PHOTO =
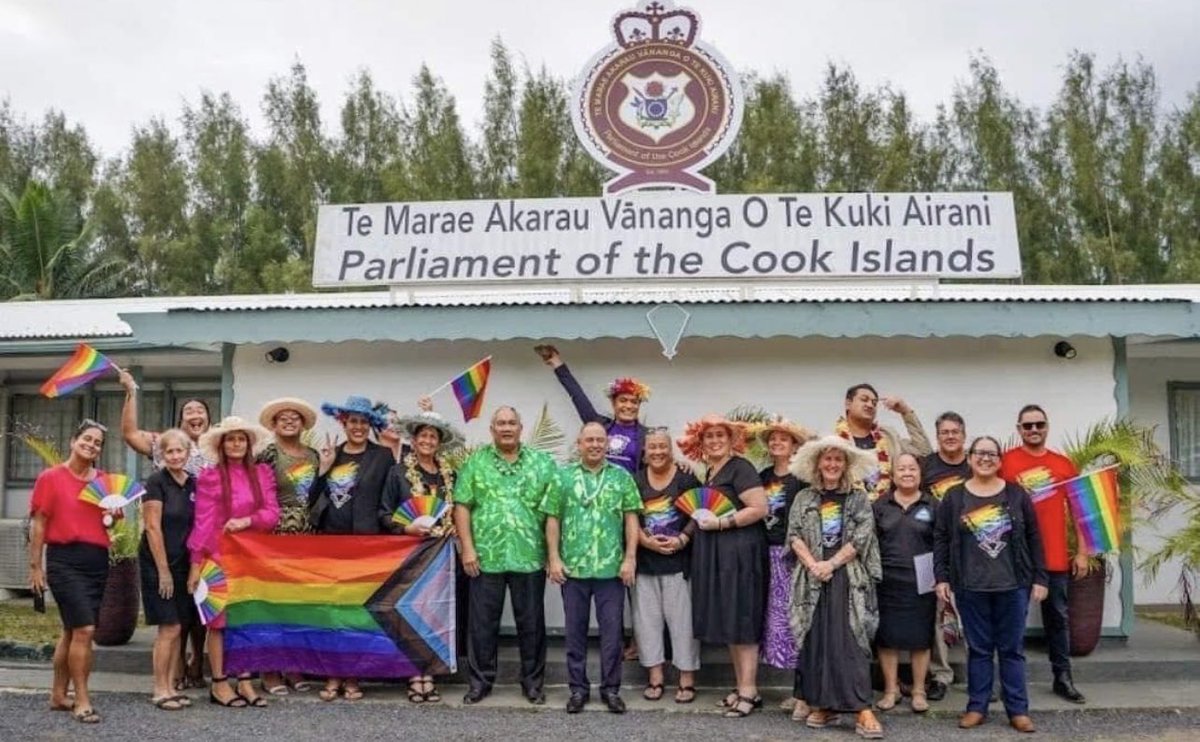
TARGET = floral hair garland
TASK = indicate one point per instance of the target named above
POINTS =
(883, 484)
(691, 445)
(627, 385)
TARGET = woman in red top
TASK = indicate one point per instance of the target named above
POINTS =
(76, 544)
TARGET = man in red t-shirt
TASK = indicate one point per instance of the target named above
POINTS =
(1034, 467)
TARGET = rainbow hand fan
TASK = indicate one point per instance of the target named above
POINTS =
(111, 492)
(420, 510)
(212, 591)
(704, 500)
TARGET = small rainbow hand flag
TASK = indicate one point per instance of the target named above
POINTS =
(212, 591)
(1093, 498)
(704, 498)
(468, 388)
(420, 509)
(85, 366)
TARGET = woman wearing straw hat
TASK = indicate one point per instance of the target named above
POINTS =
(76, 545)
(729, 556)
(233, 495)
(296, 468)
(782, 438)
(423, 471)
(834, 613)
(350, 488)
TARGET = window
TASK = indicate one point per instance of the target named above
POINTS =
(49, 420)
(1183, 400)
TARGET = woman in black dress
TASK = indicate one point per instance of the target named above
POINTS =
(834, 614)
(904, 522)
(168, 509)
(423, 470)
(76, 543)
(729, 557)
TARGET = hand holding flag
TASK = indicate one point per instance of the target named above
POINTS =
(469, 388)
(86, 365)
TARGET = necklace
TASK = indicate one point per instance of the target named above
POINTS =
(412, 472)
(591, 493)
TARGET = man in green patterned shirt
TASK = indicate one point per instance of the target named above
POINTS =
(592, 540)
(500, 526)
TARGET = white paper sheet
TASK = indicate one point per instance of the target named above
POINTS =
(923, 563)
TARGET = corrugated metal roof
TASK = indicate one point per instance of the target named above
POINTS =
(101, 318)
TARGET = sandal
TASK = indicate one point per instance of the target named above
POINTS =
(800, 711)
(653, 691)
(352, 692)
(432, 695)
(330, 691)
(236, 702)
(920, 702)
(253, 700)
(167, 703)
(183, 701)
(415, 695)
(298, 683)
(741, 708)
(685, 694)
(867, 726)
(820, 719)
(888, 700)
(86, 716)
(275, 689)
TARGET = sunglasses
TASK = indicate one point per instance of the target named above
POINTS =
(1039, 425)
(90, 423)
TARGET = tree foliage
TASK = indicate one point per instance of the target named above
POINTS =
(1106, 180)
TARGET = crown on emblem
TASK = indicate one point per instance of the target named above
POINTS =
(657, 23)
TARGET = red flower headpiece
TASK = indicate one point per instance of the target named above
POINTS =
(628, 385)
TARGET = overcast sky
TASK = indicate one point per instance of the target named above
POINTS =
(113, 64)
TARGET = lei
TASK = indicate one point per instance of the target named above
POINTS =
(884, 483)
(412, 472)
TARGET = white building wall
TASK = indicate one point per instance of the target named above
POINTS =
(1149, 374)
(985, 380)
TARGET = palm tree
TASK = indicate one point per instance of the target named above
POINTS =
(47, 253)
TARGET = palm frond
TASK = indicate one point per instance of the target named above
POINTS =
(45, 450)
(547, 435)
(753, 417)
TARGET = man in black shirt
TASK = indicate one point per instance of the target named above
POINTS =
(941, 470)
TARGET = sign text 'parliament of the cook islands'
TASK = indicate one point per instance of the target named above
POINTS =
(655, 106)
(669, 236)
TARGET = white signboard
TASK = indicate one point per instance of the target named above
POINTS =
(661, 236)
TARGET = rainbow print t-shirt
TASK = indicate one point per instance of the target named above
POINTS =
(990, 524)
(831, 523)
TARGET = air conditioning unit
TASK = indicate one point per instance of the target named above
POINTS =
(14, 554)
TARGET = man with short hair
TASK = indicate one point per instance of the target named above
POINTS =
(941, 470)
(860, 426)
(1037, 468)
(592, 539)
(502, 532)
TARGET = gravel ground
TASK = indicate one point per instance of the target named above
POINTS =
(131, 717)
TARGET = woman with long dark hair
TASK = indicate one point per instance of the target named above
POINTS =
(233, 495)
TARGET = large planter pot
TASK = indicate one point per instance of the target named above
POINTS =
(1085, 610)
(120, 604)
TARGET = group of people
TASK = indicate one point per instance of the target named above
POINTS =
(850, 545)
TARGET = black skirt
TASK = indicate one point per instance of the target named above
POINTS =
(905, 618)
(834, 671)
(76, 573)
(179, 608)
(729, 585)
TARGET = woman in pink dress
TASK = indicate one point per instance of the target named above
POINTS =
(233, 495)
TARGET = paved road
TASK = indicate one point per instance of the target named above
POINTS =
(131, 717)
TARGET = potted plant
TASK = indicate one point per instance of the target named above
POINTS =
(1145, 477)
(120, 604)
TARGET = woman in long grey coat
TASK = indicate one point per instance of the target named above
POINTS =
(834, 614)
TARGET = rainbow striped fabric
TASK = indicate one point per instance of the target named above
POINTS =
(469, 388)
(339, 606)
(1094, 499)
(86, 365)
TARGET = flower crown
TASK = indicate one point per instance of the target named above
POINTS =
(627, 385)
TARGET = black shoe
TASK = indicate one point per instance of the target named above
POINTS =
(935, 691)
(576, 703)
(537, 697)
(1065, 688)
(474, 696)
(613, 702)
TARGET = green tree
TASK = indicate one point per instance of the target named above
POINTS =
(18, 148)
(369, 147)
(776, 150)
(501, 139)
(46, 253)
(436, 149)
(1177, 158)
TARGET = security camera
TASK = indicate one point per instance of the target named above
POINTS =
(278, 355)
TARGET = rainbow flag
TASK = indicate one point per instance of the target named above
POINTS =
(84, 367)
(339, 606)
(1093, 499)
(468, 388)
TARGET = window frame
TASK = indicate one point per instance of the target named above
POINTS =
(1172, 419)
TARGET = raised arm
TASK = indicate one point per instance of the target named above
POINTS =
(583, 405)
(139, 440)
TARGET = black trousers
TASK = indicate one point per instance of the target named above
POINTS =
(487, 605)
(1054, 621)
(609, 597)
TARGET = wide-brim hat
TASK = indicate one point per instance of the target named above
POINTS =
(691, 445)
(271, 409)
(210, 442)
(449, 436)
(798, 432)
(859, 461)
(376, 414)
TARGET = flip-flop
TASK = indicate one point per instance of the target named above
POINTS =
(277, 690)
(352, 694)
(167, 703)
(183, 701)
(86, 716)
(653, 691)
(685, 689)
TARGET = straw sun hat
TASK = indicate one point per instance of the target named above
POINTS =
(266, 418)
(804, 463)
(210, 442)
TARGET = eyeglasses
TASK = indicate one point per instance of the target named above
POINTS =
(985, 455)
(90, 423)
(1038, 425)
